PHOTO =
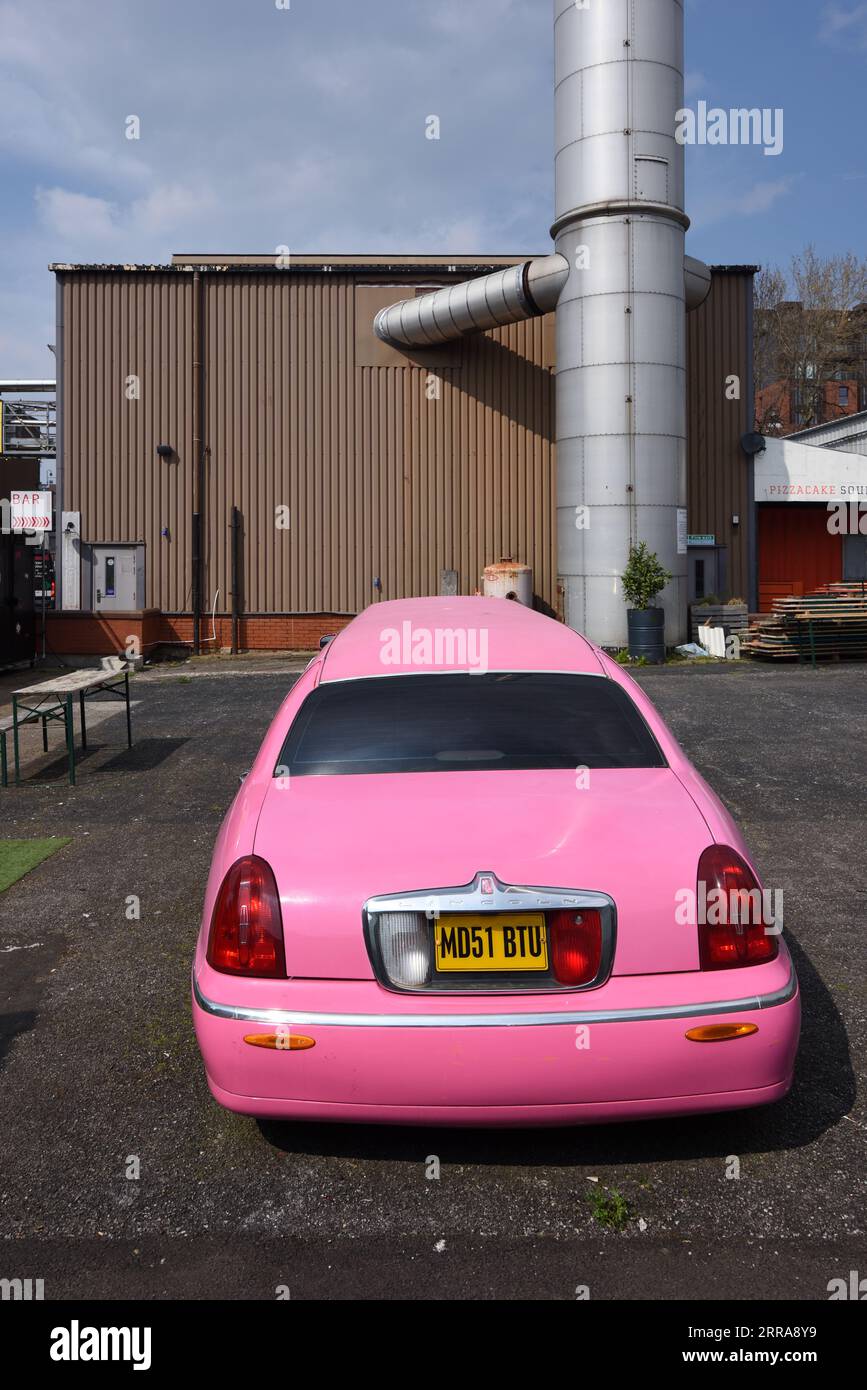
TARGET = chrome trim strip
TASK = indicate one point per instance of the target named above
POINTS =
(484, 894)
(492, 896)
(243, 1014)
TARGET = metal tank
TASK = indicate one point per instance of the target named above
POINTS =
(621, 326)
(511, 580)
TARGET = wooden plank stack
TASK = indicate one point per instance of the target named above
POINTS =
(732, 618)
(829, 625)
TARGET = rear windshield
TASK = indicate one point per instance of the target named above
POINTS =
(466, 722)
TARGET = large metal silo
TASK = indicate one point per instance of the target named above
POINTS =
(620, 224)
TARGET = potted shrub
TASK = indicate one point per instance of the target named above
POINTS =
(644, 578)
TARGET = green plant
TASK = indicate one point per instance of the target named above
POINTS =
(644, 576)
(624, 659)
(610, 1209)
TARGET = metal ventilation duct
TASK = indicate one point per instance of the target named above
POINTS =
(507, 296)
(697, 279)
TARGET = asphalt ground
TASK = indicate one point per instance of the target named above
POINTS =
(98, 1062)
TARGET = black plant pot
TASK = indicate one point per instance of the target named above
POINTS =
(647, 634)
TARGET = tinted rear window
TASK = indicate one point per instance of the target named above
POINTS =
(460, 722)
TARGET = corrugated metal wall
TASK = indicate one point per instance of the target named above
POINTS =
(385, 473)
(117, 328)
(718, 348)
(380, 480)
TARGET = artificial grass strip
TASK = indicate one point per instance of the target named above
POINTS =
(18, 857)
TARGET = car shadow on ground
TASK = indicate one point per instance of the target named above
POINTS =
(823, 1092)
(11, 1025)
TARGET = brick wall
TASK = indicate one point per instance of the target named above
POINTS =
(104, 634)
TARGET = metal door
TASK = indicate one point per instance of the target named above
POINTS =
(114, 578)
(17, 618)
(854, 558)
(703, 572)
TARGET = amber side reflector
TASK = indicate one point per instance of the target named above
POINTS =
(281, 1042)
(722, 1032)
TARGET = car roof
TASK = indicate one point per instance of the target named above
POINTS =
(510, 637)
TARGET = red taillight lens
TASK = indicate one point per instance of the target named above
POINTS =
(576, 945)
(732, 923)
(247, 926)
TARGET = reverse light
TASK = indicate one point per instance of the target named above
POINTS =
(246, 935)
(405, 944)
(732, 930)
(576, 945)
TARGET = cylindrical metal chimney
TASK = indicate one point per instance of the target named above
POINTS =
(621, 389)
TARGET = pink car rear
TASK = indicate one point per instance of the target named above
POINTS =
(467, 881)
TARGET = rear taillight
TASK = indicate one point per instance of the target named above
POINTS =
(733, 926)
(247, 927)
(576, 945)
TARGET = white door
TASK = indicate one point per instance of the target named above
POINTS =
(114, 586)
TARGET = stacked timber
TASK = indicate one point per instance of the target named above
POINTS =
(731, 617)
(828, 625)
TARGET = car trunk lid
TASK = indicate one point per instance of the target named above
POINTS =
(334, 842)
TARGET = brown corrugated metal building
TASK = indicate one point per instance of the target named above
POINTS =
(357, 471)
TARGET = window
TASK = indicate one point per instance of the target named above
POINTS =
(461, 722)
(699, 578)
(843, 397)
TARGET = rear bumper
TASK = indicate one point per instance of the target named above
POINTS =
(492, 1061)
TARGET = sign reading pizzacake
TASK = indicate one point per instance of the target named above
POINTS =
(31, 511)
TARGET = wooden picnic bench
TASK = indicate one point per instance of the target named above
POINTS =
(52, 700)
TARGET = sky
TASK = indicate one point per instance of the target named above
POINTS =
(302, 123)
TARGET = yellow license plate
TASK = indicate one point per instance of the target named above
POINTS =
(510, 941)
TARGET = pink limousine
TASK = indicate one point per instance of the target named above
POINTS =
(471, 879)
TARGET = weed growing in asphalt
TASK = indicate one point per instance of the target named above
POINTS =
(610, 1209)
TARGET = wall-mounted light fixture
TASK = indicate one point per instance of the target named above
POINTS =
(753, 444)
(165, 451)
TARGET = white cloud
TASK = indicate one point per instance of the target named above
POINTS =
(847, 25)
(76, 217)
(169, 207)
(762, 196)
(726, 199)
